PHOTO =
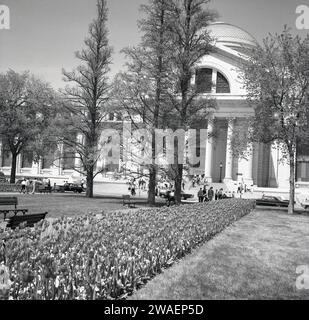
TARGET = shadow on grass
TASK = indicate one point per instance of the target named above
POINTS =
(284, 210)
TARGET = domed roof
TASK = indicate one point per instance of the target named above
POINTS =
(230, 34)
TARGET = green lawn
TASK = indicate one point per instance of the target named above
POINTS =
(255, 258)
(58, 204)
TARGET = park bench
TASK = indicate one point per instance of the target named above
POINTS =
(126, 200)
(10, 201)
(15, 220)
(30, 219)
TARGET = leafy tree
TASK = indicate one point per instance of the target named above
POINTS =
(28, 106)
(87, 97)
(276, 77)
(157, 85)
(189, 42)
(142, 89)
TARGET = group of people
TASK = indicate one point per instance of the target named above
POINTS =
(133, 185)
(205, 195)
(198, 180)
(29, 186)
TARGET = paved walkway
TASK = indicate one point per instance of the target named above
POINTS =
(256, 258)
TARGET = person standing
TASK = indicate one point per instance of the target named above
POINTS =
(27, 185)
(210, 193)
(34, 182)
(200, 195)
(216, 195)
(205, 194)
(133, 193)
(23, 186)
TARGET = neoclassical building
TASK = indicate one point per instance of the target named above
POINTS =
(216, 76)
(263, 167)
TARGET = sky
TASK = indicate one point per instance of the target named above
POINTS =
(45, 34)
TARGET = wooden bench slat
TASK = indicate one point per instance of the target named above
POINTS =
(8, 201)
(127, 200)
(31, 219)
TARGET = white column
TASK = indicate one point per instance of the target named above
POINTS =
(229, 154)
(214, 81)
(303, 171)
(0, 153)
(19, 164)
(245, 166)
(248, 169)
(209, 147)
(37, 166)
(77, 160)
(279, 171)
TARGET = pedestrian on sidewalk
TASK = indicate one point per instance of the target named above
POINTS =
(210, 193)
(27, 185)
(200, 195)
(23, 186)
(204, 194)
(220, 194)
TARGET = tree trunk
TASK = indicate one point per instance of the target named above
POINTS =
(292, 183)
(152, 185)
(13, 168)
(89, 190)
(178, 180)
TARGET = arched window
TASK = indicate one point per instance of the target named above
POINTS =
(204, 84)
(223, 85)
(203, 80)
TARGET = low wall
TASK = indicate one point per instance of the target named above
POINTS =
(9, 187)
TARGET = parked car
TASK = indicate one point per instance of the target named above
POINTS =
(163, 193)
(69, 187)
(274, 201)
(184, 195)
(305, 203)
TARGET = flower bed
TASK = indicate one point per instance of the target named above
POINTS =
(109, 256)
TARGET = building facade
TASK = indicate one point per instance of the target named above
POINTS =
(216, 76)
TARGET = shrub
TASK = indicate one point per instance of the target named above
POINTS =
(110, 255)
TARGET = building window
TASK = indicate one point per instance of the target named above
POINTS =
(68, 161)
(203, 80)
(27, 159)
(6, 156)
(204, 84)
(222, 84)
(111, 116)
(48, 160)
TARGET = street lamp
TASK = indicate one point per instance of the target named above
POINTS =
(221, 165)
